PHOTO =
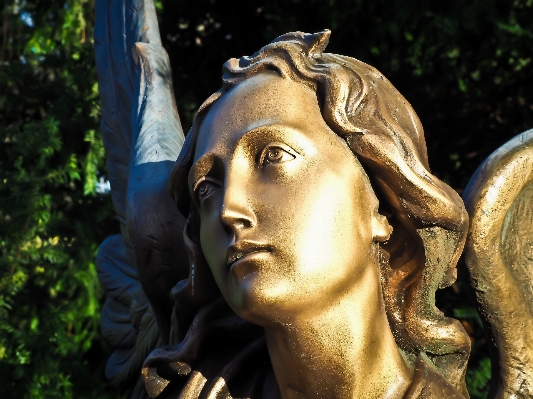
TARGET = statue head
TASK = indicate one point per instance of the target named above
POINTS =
(325, 162)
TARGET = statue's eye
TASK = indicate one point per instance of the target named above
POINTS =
(204, 187)
(275, 153)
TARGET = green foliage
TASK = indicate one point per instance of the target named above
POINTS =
(51, 218)
(478, 379)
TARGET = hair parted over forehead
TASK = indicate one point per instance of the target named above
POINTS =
(381, 128)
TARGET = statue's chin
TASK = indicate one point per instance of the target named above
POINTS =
(258, 301)
(267, 299)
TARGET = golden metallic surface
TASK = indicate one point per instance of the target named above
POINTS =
(153, 382)
(499, 254)
(312, 214)
(289, 227)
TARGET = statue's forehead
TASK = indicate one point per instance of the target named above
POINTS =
(262, 100)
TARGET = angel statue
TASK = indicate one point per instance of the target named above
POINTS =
(294, 248)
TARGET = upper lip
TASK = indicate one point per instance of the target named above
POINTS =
(243, 248)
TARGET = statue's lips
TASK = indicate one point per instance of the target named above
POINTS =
(243, 249)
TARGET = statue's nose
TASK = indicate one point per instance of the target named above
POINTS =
(236, 219)
(236, 213)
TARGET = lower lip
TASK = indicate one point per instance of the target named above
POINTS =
(248, 257)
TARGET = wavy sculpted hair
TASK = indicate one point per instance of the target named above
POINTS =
(429, 219)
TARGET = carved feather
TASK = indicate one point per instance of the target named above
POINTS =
(499, 254)
(142, 136)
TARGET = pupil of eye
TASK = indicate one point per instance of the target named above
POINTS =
(274, 153)
(203, 188)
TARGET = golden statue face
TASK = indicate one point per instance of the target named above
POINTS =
(288, 218)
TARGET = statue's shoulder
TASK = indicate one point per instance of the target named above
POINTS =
(429, 383)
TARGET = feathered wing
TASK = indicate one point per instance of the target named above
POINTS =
(142, 137)
(499, 254)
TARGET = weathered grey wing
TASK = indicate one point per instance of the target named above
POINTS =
(499, 255)
(142, 137)
(127, 319)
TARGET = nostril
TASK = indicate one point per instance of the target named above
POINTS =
(236, 223)
(235, 220)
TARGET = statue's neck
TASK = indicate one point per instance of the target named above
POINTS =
(344, 351)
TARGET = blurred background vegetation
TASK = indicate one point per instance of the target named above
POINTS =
(465, 65)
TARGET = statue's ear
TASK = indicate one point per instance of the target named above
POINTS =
(381, 228)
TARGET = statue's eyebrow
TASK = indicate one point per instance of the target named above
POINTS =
(201, 167)
(205, 164)
(271, 129)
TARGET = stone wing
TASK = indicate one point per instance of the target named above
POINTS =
(499, 255)
(142, 137)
